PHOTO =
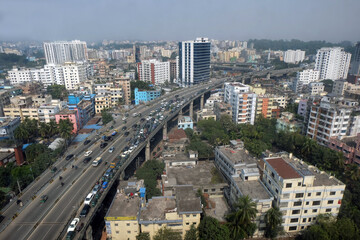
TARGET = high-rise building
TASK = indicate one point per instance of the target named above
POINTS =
(194, 62)
(154, 72)
(65, 51)
(304, 78)
(74, 74)
(294, 56)
(355, 64)
(242, 101)
(332, 63)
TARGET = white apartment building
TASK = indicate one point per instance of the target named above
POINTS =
(74, 74)
(154, 71)
(329, 118)
(301, 191)
(242, 101)
(294, 56)
(304, 78)
(333, 63)
(65, 51)
(241, 172)
(315, 88)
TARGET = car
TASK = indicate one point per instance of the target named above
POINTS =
(96, 189)
(123, 128)
(88, 198)
(111, 149)
(126, 134)
(70, 235)
(85, 211)
(70, 156)
(86, 142)
(44, 198)
(103, 144)
(73, 224)
(87, 159)
(79, 227)
(88, 153)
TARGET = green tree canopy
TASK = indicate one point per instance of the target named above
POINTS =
(210, 228)
(191, 234)
(273, 220)
(57, 91)
(165, 233)
(143, 236)
(106, 116)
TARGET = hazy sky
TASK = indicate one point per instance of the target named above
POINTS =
(330, 20)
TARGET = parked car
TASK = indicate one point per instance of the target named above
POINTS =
(68, 157)
(88, 153)
(87, 159)
(44, 198)
(86, 142)
(96, 189)
(85, 211)
(73, 224)
(70, 235)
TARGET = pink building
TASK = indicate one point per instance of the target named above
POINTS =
(72, 115)
(349, 146)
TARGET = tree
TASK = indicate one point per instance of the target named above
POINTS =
(191, 234)
(165, 233)
(65, 128)
(53, 128)
(273, 220)
(210, 228)
(353, 172)
(241, 220)
(106, 116)
(22, 134)
(143, 236)
(44, 130)
(150, 172)
(34, 150)
(57, 91)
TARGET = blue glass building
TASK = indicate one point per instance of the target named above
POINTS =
(145, 96)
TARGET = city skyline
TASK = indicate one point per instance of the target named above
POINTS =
(183, 20)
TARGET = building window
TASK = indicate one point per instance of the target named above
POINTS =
(116, 224)
(299, 195)
(295, 212)
(315, 203)
(187, 223)
(299, 183)
(288, 185)
(314, 210)
(307, 203)
(332, 193)
(293, 228)
(318, 193)
(309, 194)
(328, 210)
(194, 223)
(117, 232)
(128, 232)
(188, 215)
(330, 201)
(194, 215)
(128, 224)
(294, 220)
(305, 211)
(269, 182)
(299, 203)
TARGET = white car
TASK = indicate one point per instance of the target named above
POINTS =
(88, 153)
(88, 198)
(111, 149)
(73, 224)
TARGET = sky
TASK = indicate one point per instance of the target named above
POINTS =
(153, 20)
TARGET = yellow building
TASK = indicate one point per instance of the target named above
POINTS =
(30, 112)
(177, 212)
(108, 95)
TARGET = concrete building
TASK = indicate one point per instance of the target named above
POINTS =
(315, 88)
(342, 88)
(145, 96)
(125, 85)
(108, 95)
(294, 56)
(8, 126)
(305, 77)
(329, 118)
(348, 146)
(65, 51)
(154, 71)
(287, 122)
(4, 100)
(332, 63)
(73, 117)
(22, 113)
(221, 108)
(205, 114)
(194, 62)
(241, 172)
(301, 191)
(242, 101)
(355, 63)
(266, 106)
(177, 212)
(74, 74)
(185, 122)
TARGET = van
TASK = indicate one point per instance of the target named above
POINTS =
(97, 161)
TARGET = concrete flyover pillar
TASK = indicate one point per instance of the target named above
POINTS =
(147, 151)
(122, 175)
(180, 113)
(202, 102)
(165, 131)
(191, 109)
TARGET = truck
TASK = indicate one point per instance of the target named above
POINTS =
(97, 161)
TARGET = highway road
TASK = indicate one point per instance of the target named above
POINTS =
(47, 220)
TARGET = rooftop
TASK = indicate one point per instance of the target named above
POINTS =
(204, 173)
(66, 111)
(187, 201)
(157, 207)
(177, 134)
(6, 120)
(185, 119)
(237, 154)
(283, 168)
(124, 206)
(254, 189)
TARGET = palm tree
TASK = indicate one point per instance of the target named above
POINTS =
(273, 220)
(65, 129)
(44, 130)
(240, 221)
(21, 134)
(307, 146)
(53, 128)
(353, 172)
